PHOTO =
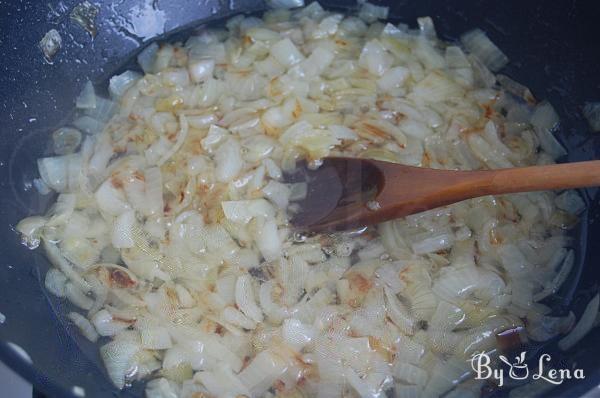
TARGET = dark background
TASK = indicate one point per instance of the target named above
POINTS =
(554, 47)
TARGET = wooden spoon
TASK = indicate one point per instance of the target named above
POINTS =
(346, 193)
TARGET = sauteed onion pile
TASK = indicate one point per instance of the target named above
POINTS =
(170, 233)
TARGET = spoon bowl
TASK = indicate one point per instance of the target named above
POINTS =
(346, 193)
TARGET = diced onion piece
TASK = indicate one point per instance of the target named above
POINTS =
(201, 70)
(478, 43)
(585, 324)
(398, 313)
(545, 120)
(370, 12)
(285, 3)
(244, 210)
(591, 111)
(222, 382)
(77, 297)
(118, 358)
(154, 191)
(296, 334)
(86, 328)
(245, 298)
(111, 200)
(106, 325)
(87, 97)
(30, 230)
(277, 193)
(410, 374)
(342, 132)
(570, 201)
(56, 282)
(147, 57)
(66, 140)
(260, 374)
(375, 58)
(237, 318)
(433, 244)
(122, 236)
(393, 78)
(183, 132)
(61, 173)
(153, 336)
(286, 53)
(228, 159)
(118, 84)
(267, 240)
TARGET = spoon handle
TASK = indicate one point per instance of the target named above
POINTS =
(541, 178)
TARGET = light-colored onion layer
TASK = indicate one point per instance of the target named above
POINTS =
(171, 233)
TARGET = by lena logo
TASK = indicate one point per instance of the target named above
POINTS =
(519, 370)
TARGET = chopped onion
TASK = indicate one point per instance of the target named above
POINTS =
(264, 369)
(118, 84)
(296, 334)
(277, 193)
(86, 328)
(77, 297)
(106, 325)
(237, 318)
(118, 358)
(66, 140)
(478, 43)
(87, 97)
(171, 226)
(183, 132)
(545, 120)
(222, 382)
(285, 3)
(375, 58)
(245, 299)
(398, 313)
(286, 53)
(147, 57)
(433, 244)
(228, 160)
(154, 191)
(591, 111)
(583, 326)
(393, 78)
(410, 374)
(111, 200)
(571, 202)
(201, 70)
(244, 210)
(370, 12)
(60, 173)
(56, 282)
(153, 336)
(122, 236)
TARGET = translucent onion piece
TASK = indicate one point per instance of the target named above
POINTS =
(591, 111)
(87, 97)
(264, 369)
(244, 210)
(245, 298)
(583, 326)
(118, 358)
(66, 140)
(545, 119)
(120, 83)
(86, 328)
(477, 42)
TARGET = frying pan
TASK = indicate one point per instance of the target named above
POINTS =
(553, 47)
